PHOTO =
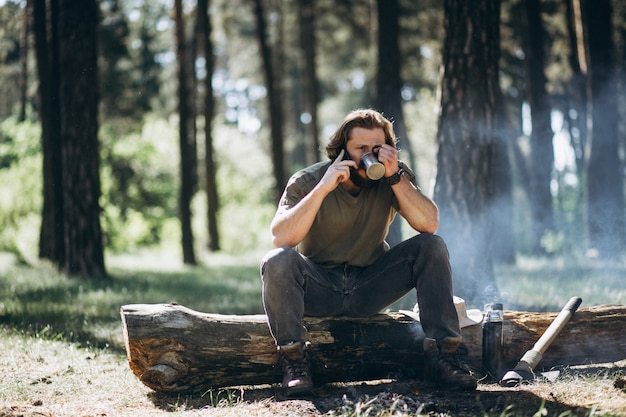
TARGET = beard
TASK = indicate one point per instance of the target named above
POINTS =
(361, 181)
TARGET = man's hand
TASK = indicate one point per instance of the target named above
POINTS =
(291, 225)
(388, 156)
(338, 172)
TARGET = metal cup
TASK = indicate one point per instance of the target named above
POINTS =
(374, 169)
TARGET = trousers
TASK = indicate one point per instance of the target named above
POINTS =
(294, 287)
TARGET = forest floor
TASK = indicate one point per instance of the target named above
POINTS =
(42, 377)
(62, 351)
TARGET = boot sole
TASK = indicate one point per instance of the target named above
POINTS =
(298, 392)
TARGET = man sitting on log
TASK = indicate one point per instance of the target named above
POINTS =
(331, 257)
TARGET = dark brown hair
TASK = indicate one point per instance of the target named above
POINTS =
(365, 118)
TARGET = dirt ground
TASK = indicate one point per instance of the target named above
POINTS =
(379, 398)
(53, 379)
(578, 391)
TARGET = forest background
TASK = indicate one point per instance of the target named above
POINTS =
(174, 125)
(143, 145)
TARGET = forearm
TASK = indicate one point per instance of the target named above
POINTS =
(419, 211)
(290, 226)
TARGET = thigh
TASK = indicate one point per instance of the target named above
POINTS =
(416, 263)
(294, 284)
(381, 284)
(323, 293)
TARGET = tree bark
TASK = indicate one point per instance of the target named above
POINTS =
(173, 348)
(51, 243)
(541, 152)
(576, 93)
(23, 82)
(309, 80)
(206, 46)
(577, 89)
(84, 252)
(605, 179)
(187, 155)
(468, 137)
(387, 98)
(274, 92)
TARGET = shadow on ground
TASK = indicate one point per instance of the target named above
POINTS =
(372, 398)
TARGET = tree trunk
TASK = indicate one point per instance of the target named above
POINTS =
(187, 155)
(173, 348)
(275, 112)
(577, 91)
(605, 178)
(209, 106)
(468, 137)
(78, 23)
(541, 152)
(24, 29)
(503, 237)
(388, 99)
(51, 243)
(309, 80)
(576, 100)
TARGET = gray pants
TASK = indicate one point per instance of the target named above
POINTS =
(294, 286)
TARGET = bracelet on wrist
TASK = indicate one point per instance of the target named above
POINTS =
(395, 178)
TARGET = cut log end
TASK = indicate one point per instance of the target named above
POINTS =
(160, 376)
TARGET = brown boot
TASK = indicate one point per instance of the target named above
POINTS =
(443, 367)
(296, 374)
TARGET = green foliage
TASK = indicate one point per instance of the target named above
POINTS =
(140, 189)
(137, 65)
(139, 179)
(20, 187)
(131, 37)
(245, 181)
(17, 141)
(9, 31)
(139, 185)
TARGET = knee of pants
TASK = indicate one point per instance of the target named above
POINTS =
(279, 264)
(432, 245)
(437, 246)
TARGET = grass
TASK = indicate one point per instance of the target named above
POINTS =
(41, 302)
(60, 378)
(547, 284)
(61, 346)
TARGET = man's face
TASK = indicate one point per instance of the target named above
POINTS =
(361, 141)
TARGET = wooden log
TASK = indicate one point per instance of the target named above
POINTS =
(172, 348)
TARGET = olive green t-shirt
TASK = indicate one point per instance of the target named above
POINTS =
(347, 229)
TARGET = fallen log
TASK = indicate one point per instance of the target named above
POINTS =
(172, 348)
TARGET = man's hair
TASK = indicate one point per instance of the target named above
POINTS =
(365, 118)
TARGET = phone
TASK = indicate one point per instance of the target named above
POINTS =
(346, 155)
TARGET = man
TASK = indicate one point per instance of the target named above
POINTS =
(331, 257)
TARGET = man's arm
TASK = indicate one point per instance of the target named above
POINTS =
(419, 211)
(291, 224)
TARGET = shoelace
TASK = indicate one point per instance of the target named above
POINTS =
(452, 362)
(298, 367)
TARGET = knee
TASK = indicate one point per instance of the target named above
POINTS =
(432, 246)
(277, 263)
(436, 243)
